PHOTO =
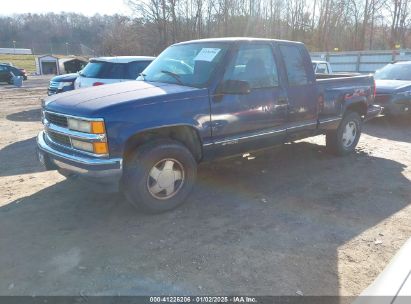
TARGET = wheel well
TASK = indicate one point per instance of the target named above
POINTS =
(359, 107)
(186, 135)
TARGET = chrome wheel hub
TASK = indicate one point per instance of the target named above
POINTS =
(349, 134)
(165, 178)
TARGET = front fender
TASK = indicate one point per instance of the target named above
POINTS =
(122, 125)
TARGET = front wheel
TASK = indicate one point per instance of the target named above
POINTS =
(344, 140)
(159, 176)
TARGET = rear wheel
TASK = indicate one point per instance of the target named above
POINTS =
(344, 140)
(159, 176)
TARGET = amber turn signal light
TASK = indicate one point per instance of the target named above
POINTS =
(97, 127)
(100, 147)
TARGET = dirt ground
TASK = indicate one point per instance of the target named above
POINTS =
(286, 220)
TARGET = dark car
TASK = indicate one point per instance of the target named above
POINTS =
(393, 88)
(62, 83)
(199, 100)
(6, 73)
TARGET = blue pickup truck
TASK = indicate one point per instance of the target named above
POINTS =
(199, 100)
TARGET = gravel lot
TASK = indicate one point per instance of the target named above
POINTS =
(284, 220)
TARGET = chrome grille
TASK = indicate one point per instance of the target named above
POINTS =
(59, 138)
(57, 132)
(56, 119)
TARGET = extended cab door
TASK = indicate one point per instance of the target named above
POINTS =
(301, 88)
(242, 122)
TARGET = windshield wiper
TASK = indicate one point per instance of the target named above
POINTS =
(174, 75)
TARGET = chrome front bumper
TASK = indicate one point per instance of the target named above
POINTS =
(100, 169)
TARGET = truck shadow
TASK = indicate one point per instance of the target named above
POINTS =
(271, 225)
(392, 128)
(26, 116)
(20, 158)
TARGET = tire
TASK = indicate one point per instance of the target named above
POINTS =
(343, 140)
(159, 176)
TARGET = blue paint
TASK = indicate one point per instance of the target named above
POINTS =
(225, 123)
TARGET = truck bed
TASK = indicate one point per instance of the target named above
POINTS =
(341, 90)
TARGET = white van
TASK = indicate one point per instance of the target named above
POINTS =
(322, 67)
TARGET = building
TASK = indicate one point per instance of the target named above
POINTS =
(72, 64)
(47, 64)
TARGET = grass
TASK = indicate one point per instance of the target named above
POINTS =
(27, 62)
(20, 61)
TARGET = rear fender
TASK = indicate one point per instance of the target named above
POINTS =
(359, 106)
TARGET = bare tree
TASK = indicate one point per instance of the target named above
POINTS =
(321, 24)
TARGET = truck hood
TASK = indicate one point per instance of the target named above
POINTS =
(391, 86)
(90, 101)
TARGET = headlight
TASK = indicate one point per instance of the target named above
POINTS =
(82, 145)
(94, 127)
(64, 84)
(79, 125)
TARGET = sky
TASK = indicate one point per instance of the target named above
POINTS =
(86, 7)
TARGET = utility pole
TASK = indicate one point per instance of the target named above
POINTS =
(14, 46)
(67, 48)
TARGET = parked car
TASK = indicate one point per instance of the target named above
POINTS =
(62, 83)
(393, 85)
(104, 70)
(322, 67)
(199, 100)
(6, 70)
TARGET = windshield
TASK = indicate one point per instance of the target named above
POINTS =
(394, 72)
(186, 64)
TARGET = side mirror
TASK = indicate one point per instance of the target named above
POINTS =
(234, 87)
